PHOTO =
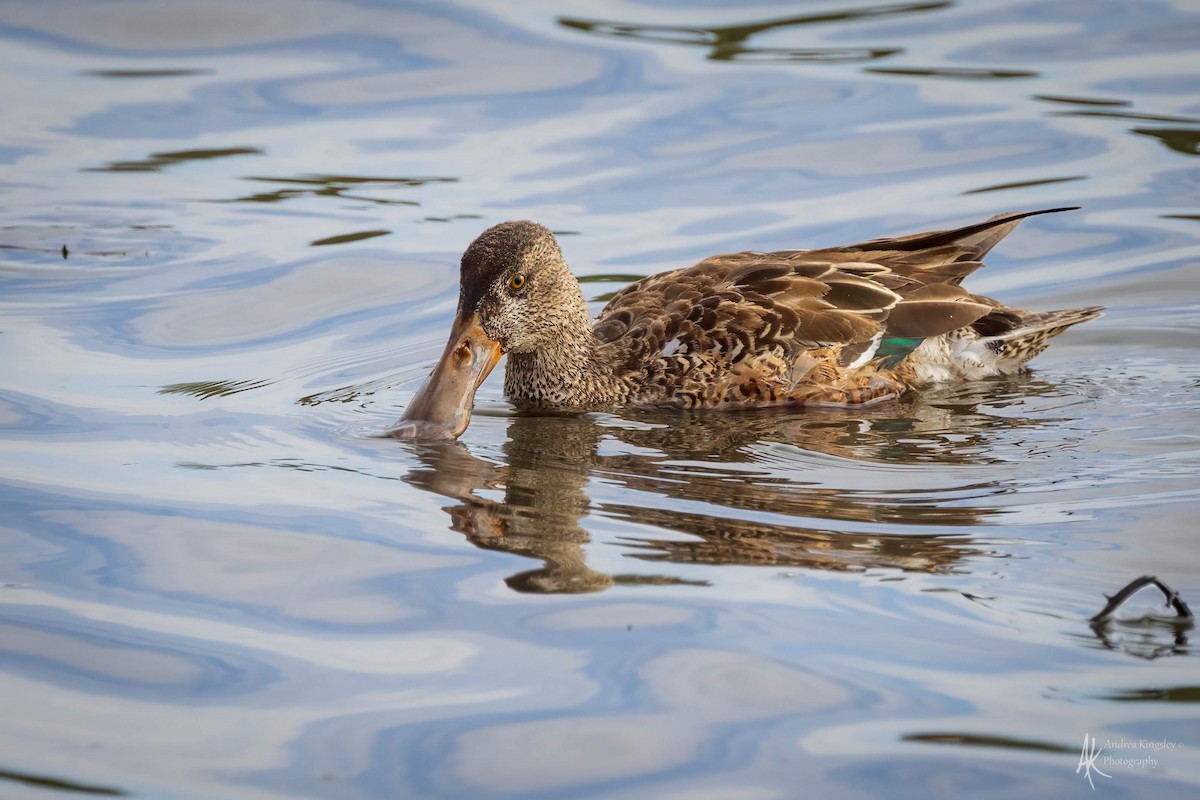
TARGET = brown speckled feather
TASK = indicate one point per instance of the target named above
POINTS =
(782, 327)
(733, 328)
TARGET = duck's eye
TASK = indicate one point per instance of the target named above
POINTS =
(517, 281)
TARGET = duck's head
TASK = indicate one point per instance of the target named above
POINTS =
(514, 294)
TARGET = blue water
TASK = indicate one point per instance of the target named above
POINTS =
(229, 236)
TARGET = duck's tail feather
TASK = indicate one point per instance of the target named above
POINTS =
(987, 234)
(1017, 336)
(999, 342)
(972, 241)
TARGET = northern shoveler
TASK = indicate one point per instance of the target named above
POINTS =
(841, 326)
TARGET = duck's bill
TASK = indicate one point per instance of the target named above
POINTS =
(442, 407)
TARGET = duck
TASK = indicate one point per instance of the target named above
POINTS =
(845, 326)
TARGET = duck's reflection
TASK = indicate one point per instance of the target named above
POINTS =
(551, 459)
(544, 500)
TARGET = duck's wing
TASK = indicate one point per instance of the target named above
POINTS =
(945, 256)
(928, 266)
(736, 306)
(757, 324)
(876, 298)
(979, 237)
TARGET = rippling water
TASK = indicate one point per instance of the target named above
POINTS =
(228, 250)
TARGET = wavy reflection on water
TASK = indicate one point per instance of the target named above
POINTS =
(1181, 140)
(339, 186)
(744, 513)
(959, 73)
(156, 162)
(730, 42)
(60, 784)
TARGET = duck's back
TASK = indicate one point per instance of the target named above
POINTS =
(832, 325)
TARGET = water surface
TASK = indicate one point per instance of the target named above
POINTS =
(228, 250)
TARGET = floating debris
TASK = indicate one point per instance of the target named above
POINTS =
(1149, 636)
(1116, 600)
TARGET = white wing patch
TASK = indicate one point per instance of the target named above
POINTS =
(867, 354)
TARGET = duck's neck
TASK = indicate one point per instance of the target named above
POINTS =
(565, 373)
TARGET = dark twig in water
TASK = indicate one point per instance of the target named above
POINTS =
(1114, 602)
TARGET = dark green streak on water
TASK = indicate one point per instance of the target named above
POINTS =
(1080, 101)
(44, 782)
(1125, 115)
(610, 277)
(1181, 140)
(729, 42)
(335, 186)
(157, 161)
(146, 73)
(331, 180)
(1024, 184)
(961, 73)
(1172, 694)
(974, 740)
(357, 236)
(604, 297)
